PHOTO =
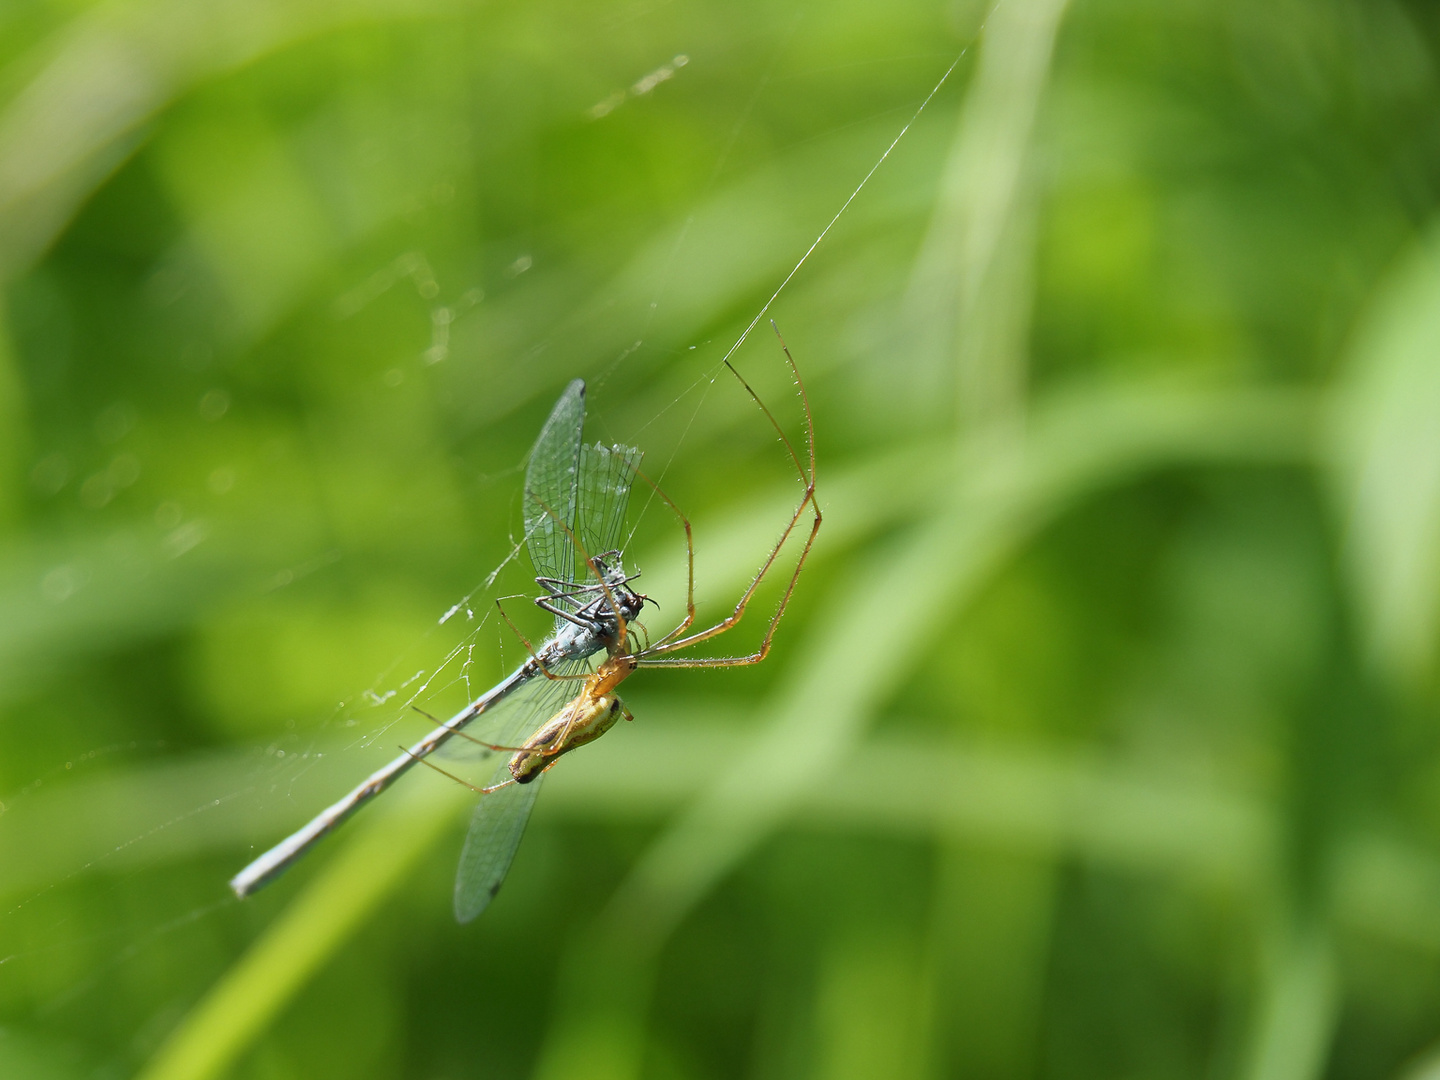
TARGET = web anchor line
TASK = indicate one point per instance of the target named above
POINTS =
(846, 205)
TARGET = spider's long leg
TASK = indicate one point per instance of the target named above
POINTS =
(668, 644)
(463, 783)
(544, 670)
(471, 738)
(689, 619)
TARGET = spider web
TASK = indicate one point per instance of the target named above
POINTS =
(468, 646)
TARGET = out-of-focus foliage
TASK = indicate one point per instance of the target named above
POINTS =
(1103, 735)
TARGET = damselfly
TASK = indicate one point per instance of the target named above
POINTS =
(575, 501)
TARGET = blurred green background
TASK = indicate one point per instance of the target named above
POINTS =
(1101, 738)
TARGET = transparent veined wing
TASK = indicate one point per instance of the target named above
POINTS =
(606, 475)
(575, 494)
(552, 481)
(499, 820)
(495, 832)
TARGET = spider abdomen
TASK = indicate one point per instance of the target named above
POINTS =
(584, 720)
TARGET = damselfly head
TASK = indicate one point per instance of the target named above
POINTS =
(629, 603)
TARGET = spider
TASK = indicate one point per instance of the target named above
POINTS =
(596, 708)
